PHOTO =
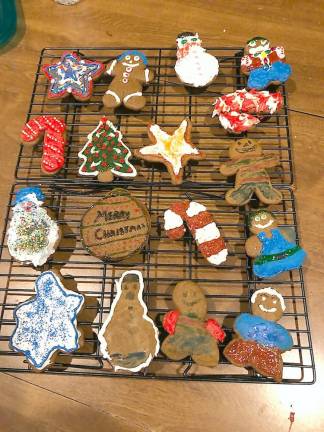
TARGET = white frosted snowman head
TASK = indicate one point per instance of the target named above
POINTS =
(188, 38)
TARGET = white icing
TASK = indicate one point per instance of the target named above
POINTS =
(207, 233)
(270, 291)
(260, 226)
(110, 92)
(197, 68)
(218, 258)
(264, 309)
(104, 348)
(130, 65)
(172, 220)
(195, 208)
(272, 104)
(147, 75)
(126, 98)
(111, 67)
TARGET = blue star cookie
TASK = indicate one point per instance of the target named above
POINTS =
(47, 323)
(72, 75)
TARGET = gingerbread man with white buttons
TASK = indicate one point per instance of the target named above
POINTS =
(130, 74)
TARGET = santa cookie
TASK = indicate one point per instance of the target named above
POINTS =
(128, 338)
(260, 340)
(105, 155)
(272, 250)
(47, 323)
(72, 76)
(249, 164)
(263, 64)
(190, 333)
(240, 111)
(174, 151)
(51, 130)
(194, 66)
(130, 73)
(201, 225)
(33, 235)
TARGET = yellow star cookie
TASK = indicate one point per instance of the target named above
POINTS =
(174, 151)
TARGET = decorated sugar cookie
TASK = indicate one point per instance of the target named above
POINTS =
(272, 250)
(105, 155)
(115, 227)
(190, 333)
(194, 66)
(201, 225)
(174, 151)
(32, 235)
(72, 75)
(249, 164)
(265, 65)
(128, 338)
(130, 73)
(240, 111)
(52, 131)
(260, 340)
(47, 323)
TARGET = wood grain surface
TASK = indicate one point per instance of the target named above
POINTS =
(38, 402)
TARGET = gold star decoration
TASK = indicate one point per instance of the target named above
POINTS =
(174, 151)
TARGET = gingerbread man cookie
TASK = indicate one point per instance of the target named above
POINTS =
(130, 73)
(249, 164)
(260, 340)
(190, 334)
(265, 65)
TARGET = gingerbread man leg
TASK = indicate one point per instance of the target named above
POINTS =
(111, 99)
(175, 347)
(207, 353)
(134, 101)
(268, 194)
(240, 195)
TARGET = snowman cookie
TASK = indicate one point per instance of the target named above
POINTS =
(129, 340)
(130, 73)
(194, 66)
(190, 333)
(47, 323)
(272, 250)
(32, 235)
(260, 340)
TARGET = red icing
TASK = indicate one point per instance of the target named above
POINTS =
(180, 208)
(170, 320)
(249, 62)
(176, 233)
(199, 221)
(215, 330)
(212, 247)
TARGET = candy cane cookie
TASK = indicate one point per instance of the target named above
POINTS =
(201, 225)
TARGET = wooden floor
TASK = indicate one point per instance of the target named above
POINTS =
(37, 402)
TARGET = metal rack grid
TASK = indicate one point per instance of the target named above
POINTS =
(228, 287)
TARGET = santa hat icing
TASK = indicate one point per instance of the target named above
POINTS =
(29, 194)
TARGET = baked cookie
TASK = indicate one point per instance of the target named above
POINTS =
(249, 164)
(47, 323)
(128, 338)
(263, 64)
(32, 235)
(272, 250)
(72, 76)
(190, 334)
(260, 340)
(194, 66)
(174, 151)
(241, 110)
(51, 130)
(105, 155)
(130, 73)
(201, 225)
(115, 227)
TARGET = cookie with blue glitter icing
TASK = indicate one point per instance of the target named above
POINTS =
(272, 250)
(72, 75)
(47, 323)
(130, 73)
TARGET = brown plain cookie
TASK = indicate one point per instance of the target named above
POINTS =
(115, 227)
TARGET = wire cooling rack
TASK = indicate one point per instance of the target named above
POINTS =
(163, 262)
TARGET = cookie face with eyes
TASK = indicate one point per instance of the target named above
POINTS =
(257, 45)
(244, 147)
(132, 61)
(261, 220)
(188, 39)
(190, 300)
(268, 304)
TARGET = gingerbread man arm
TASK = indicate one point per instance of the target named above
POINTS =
(144, 76)
(229, 168)
(113, 68)
(215, 330)
(246, 63)
(280, 51)
(270, 161)
(253, 246)
(170, 321)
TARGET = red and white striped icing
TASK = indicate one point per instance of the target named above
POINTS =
(201, 225)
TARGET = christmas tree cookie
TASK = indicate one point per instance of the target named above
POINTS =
(105, 155)
(32, 236)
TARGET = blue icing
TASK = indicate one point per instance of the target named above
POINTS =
(48, 322)
(22, 194)
(264, 332)
(72, 73)
(277, 244)
(261, 78)
(133, 53)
